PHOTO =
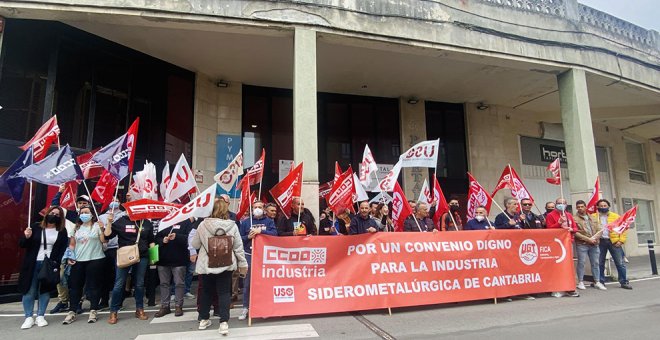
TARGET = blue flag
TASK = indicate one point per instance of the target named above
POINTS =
(10, 182)
(114, 157)
(58, 168)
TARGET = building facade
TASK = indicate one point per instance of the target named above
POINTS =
(499, 82)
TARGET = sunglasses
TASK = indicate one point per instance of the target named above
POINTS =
(527, 204)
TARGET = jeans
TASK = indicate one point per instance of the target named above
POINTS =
(139, 269)
(33, 294)
(85, 272)
(584, 250)
(215, 283)
(166, 274)
(246, 282)
(617, 255)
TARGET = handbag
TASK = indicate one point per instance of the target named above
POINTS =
(129, 255)
(49, 274)
(220, 251)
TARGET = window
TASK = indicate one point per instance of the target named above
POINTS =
(636, 162)
(644, 222)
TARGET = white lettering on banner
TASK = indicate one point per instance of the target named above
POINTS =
(343, 189)
(464, 264)
(60, 168)
(277, 255)
(284, 272)
(511, 279)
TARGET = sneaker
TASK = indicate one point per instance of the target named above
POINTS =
(573, 294)
(60, 307)
(508, 299)
(70, 317)
(244, 314)
(581, 286)
(557, 294)
(28, 323)
(204, 324)
(188, 296)
(41, 321)
(172, 297)
(626, 286)
(600, 286)
(529, 297)
(625, 259)
(92, 317)
(224, 328)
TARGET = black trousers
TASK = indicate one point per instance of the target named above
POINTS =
(215, 283)
(151, 282)
(108, 275)
(85, 272)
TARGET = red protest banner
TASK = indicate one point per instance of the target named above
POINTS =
(314, 275)
(143, 209)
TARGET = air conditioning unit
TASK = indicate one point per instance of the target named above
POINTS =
(554, 131)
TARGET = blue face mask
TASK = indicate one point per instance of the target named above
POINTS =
(603, 210)
(114, 205)
(560, 207)
(85, 217)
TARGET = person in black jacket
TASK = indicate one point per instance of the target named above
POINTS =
(363, 223)
(56, 242)
(173, 259)
(528, 219)
(288, 226)
(127, 233)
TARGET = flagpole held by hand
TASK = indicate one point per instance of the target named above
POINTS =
(90, 197)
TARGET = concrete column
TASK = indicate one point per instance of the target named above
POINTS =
(413, 131)
(305, 147)
(578, 132)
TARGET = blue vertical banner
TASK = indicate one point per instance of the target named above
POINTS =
(227, 147)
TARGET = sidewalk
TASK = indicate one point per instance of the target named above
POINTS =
(639, 267)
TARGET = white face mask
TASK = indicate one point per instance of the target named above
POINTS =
(479, 218)
(257, 212)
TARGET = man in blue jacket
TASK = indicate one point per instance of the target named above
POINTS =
(250, 228)
(363, 223)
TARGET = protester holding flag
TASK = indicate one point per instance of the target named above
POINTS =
(586, 241)
(528, 219)
(173, 260)
(446, 221)
(363, 223)
(420, 221)
(43, 241)
(259, 223)
(127, 233)
(558, 218)
(294, 225)
(611, 241)
(87, 265)
(218, 279)
(480, 220)
(383, 214)
(510, 218)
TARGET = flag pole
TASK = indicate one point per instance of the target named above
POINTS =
(90, 197)
(502, 210)
(30, 196)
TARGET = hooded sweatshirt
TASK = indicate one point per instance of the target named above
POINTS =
(217, 227)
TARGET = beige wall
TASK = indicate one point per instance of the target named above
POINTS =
(493, 142)
(413, 131)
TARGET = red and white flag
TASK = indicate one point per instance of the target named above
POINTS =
(227, 177)
(290, 187)
(89, 168)
(182, 181)
(324, 189)
(146, 209)
(555, 169)
(105, 189)
(425, 195)
(387, 183)
(400, 207)
(338, 171)
(256, 172)
(477, 196)
(150, 186)
(341, 195)
(424, 154)
(45, 136)
(165, 179)
(623, 223)
(438, 196)
(510, 179)
(245, 202)
(367, 167)
(200, 206)
(595, 196)
(360, 194)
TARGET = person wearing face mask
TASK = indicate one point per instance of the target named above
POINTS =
(110, 260)
(480, 220)
(611, 241)
(559, 218)
(87, 244)
(45, 239)
(510, 218)
(249, 229)
(446, 223)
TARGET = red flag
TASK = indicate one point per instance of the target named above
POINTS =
(510, 179)
(439, 196)
(131, 140)
(400, 207)
(623, 223)
(44, 137)
(290, 187)
(144, 209)
(595, 196)
(555, 168)
(68, 198)
(324, 189)
(244, 202)
(477, 196)
(255, 173)
(338, 171)
(105, 189)
(89, 168)
(341, 194)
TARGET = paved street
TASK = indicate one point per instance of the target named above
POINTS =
(613, 314)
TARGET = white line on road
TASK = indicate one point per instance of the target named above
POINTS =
(295, 331)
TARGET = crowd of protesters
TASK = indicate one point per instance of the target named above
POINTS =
(86, 248)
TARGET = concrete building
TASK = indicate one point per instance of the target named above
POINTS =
(313, 81)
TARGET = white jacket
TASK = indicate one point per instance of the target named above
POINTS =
(217, 227)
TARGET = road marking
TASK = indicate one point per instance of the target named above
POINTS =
(373, 327)
(190, 316)
(296, 331)
(636, 280)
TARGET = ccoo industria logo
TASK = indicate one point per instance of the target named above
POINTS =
(277, 255)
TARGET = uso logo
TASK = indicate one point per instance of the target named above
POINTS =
(278, 255)
(282, 294)
(528, 252)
